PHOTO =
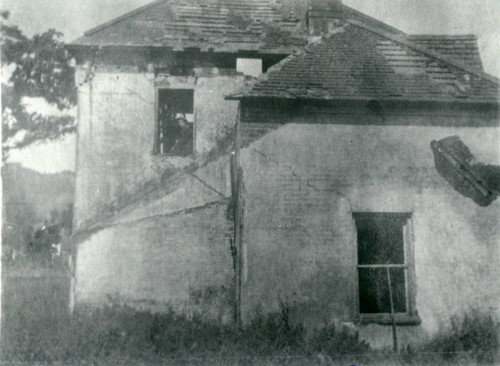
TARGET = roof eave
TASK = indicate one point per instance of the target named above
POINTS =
(283, 50)
(241, 96)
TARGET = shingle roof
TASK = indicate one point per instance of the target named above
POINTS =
(461, 48)
(218, 25)
(360, 62)
(265, 26)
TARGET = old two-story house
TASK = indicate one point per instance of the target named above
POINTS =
(235, 157)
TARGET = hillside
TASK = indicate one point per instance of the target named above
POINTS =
(29, 197)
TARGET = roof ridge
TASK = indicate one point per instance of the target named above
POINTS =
(122, 17)
(426, 51)
(375, 20)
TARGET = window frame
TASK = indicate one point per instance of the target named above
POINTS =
(410, 317)
(167, 82)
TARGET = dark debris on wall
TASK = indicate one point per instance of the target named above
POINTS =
(458, 166)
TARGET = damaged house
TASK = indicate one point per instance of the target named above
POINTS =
(234, 157)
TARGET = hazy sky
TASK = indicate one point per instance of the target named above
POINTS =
(480, 17)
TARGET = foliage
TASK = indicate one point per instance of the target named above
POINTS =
(475, 333)
(328, 340)
(274, 331)
(33, 246)
(42, 65)
(41, 68)
(39, 247)
(122, 334)
(119, 331)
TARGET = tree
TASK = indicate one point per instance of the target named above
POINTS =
(41, 68)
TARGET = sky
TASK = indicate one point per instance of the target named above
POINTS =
(74, 17)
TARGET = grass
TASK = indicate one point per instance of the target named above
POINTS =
(475, 334)
(37, 327)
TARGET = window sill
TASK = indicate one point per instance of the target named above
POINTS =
(386, 319)
(169, 155)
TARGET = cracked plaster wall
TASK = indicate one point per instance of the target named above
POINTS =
(116, 121)
(170, 249)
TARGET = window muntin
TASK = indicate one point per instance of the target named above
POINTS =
(385, 258)
(175, 127)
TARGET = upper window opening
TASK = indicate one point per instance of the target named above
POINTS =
(249, 66)
(175, 122)
(385, 277)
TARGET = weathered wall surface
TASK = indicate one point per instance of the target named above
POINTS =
(170, 249)
(116, 128)
(181, 260)
(115, 112)
(302, 183)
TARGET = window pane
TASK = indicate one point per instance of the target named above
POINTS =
(380, 239)
(374, 290)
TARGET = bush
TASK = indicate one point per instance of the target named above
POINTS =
(475, 334)
(41, 331)
(273, 333)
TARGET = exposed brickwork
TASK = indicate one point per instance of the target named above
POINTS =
(302, 184)
(251, 132)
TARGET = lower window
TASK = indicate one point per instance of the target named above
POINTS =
(385, 268)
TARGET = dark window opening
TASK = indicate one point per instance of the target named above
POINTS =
(374, 296)
(382, 263)
(175, 122)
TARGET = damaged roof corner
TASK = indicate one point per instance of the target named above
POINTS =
(472, 179)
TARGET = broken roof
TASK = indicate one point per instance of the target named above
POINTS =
(361, 62)
(458, 166)
(209, 25)
(265, 26)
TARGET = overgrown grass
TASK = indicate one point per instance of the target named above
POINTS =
(473, 337)
(38, 328)
(121, 332)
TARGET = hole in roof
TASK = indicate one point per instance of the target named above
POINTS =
(249, 66)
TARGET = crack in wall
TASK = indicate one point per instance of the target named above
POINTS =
(208, 185)
(133, 92)
(84, 235)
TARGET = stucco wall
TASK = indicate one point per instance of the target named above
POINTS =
(302, 183)
(180, 260)
(116, 124)
(171, 249)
